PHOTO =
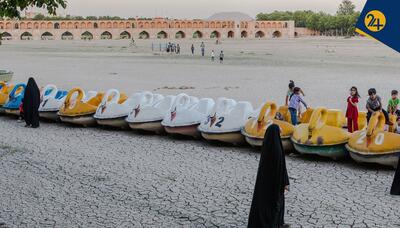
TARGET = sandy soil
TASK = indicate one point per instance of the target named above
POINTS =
(63, 176)
(254, 70)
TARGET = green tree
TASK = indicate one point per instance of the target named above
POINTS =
(341, 24)
(79, 18)
(39, 17)
(12, 8)
(109, 18)
(346, 8)
(91, 18)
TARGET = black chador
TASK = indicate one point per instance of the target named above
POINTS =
(268, 205)
(31, 104)
(396, 182)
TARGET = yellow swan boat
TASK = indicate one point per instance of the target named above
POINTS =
(4, 93)
(76, 110)
(285, 114)
(254, 129)
(374, 144)
(323, 135)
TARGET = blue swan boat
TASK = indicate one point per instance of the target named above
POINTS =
(15, 99)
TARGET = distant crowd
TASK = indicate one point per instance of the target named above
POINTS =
(175, 48)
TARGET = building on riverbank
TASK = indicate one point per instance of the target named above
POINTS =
(160, 28)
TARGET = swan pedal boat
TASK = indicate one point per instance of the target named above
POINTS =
(186, 114)
(52, 101)
(15, 99)
(5, 75)
(113, 109)
(324, 135)
(255, 128)
(149, 111)
(5, 91)
(79, 109)
(374, 144)
(227, 119)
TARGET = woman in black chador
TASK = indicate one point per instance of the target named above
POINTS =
(396, 182)
(31, 104)
(268, 206)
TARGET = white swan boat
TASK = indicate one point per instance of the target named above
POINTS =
(227, 119)
(113, 109)
(149, 111)
(186, 114)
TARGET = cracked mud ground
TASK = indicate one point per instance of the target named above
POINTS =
(63, 176)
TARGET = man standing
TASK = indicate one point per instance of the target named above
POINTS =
(203, 48)
(192, 48)
(221, 57)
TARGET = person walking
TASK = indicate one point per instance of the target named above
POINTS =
(352, 110)
(192, 49)
(203, 48)
(178, 49)
(31, 104)
(221, 57)
(268, 204)
(168, 47)
(212, 56)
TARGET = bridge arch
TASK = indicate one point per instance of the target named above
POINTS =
(47, 36)
(124, 35)
(6, 36)
(276, 34)
(144, 35)
(197, 34)
(260, 34)
(106, 35)
(215, 34)
(180, 35)
(26, 36)
(162, 35)
(67, 36)
(87, 36)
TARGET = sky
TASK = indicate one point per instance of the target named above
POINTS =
(199, 9)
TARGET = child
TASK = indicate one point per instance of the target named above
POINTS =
(352, 110)
(374, 104)
(212, 55)
(290, 92)
(294, 104)
(398, 125)
(21, 112)
(394, 103)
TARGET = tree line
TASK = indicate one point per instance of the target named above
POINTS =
(41, 17)
(341, 24)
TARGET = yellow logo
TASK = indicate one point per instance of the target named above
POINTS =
(375, 21)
